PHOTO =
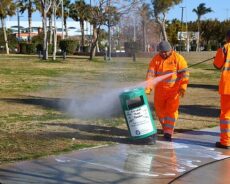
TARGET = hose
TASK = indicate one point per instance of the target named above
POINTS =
(200, 62)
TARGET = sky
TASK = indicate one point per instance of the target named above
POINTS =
(221, 10)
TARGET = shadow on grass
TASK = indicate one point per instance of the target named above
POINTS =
(200, 110)
(204, 86)
(53, 103)
(78, 107)
(95, 129)
(102, 133)
(97, 133)
(91, 133)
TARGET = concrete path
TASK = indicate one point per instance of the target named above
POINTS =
(190, 158)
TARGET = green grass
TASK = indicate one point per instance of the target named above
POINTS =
(11, 118)
(210, 75)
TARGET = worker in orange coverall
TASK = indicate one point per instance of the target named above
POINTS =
(222, 62)
(168, 91)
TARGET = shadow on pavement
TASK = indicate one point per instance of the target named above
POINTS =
(194, 142)
(194, 132)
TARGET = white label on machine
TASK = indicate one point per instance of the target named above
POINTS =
(139, 121)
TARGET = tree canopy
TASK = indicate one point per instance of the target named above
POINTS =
(160, 8)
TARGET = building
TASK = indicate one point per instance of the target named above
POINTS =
(23, 28)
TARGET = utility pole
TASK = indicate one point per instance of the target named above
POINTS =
(187, 38)
(227, 10)
(182, 16)
(187, 32)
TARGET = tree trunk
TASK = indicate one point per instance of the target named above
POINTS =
(164, 34)
(5, 36)
(144, 37)
(45, 41)
(50, 30)
(54, 34)
(198, 38)
(30, 21)
(162, 27)
(97, 47)
(94, 42)
(82, 34)
(66, 29)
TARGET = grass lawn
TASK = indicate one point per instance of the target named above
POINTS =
(51, 107)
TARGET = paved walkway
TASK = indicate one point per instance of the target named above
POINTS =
(190, 158)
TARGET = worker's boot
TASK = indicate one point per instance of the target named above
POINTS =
(151, 140)
(219, 145)
(167, 137)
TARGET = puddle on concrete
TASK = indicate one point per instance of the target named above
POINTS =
(166, 159)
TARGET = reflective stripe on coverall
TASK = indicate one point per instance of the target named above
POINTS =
(222, 61)
(166, 96)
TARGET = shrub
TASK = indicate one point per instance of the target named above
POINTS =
(214, 47)
(131, 47)
(26, 48)
(30, 48)
(39, 47)
(68, 46)
(50, 49)
(22, 47)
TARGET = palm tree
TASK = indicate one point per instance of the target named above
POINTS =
(7, 8)
(79, 11)
(29, 6)
(200, 11)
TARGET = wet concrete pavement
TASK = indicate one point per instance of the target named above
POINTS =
(190, 158)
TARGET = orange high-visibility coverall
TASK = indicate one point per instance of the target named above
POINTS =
(222, 61)
(166, 94)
